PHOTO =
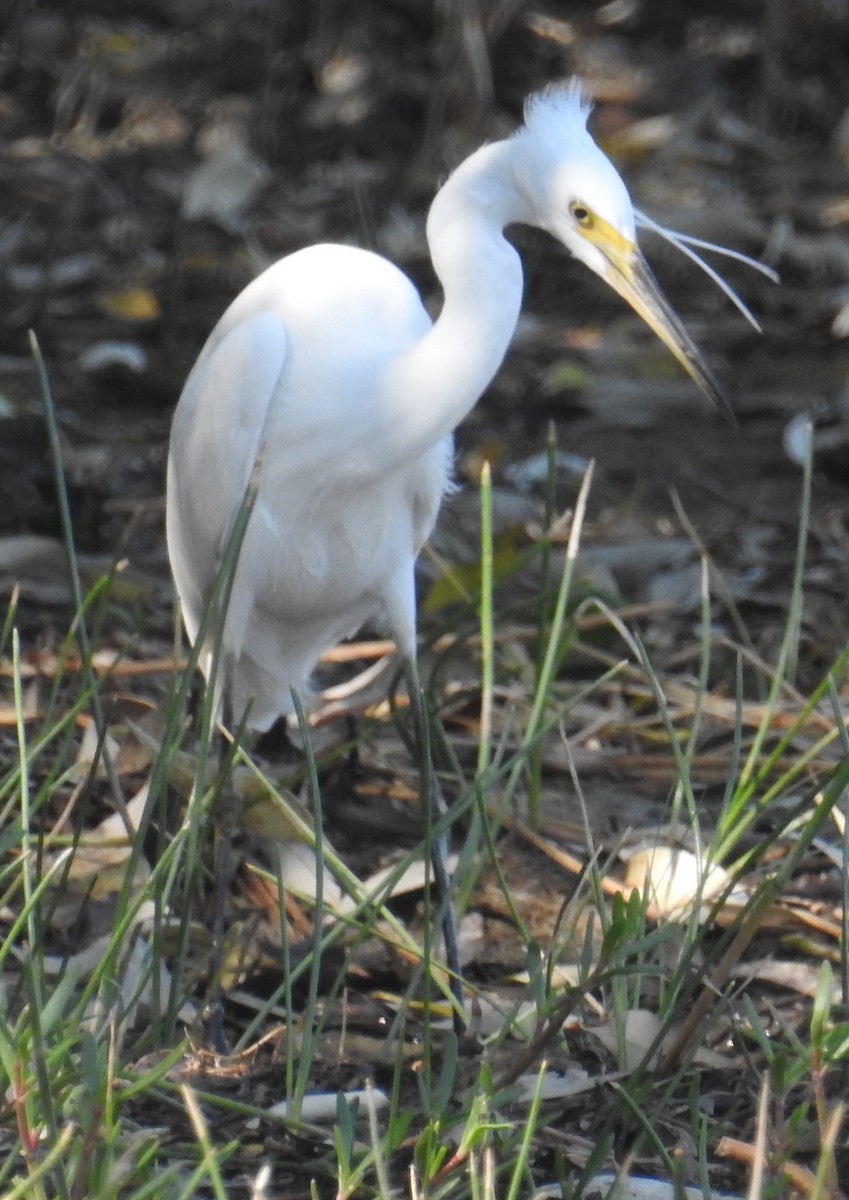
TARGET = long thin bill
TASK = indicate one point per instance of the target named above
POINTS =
(633, 280)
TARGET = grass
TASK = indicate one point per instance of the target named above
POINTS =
(625, 1035)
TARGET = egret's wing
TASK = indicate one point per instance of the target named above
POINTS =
(216, 439)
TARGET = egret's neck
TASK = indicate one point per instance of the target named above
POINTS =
(435, 383)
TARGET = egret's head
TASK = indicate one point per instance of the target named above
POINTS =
(575, 193)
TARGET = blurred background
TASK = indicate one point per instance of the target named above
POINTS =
(156, 156)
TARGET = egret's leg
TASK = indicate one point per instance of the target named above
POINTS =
(226, 818)
(433, 809)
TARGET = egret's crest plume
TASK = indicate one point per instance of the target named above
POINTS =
(557, 110)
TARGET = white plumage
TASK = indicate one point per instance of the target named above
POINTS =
(326, 382)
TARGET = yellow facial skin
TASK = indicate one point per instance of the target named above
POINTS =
(629, 274)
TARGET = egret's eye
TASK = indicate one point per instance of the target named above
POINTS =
(581, 213)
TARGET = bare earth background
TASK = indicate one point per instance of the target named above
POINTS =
(156, 156)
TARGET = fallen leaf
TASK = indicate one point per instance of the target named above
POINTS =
(130, 304)
(640, 1029)
(675, 880)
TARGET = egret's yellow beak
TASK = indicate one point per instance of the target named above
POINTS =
(629, 274)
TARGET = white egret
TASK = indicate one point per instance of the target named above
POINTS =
(326, 384)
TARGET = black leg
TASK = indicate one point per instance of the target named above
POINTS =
(226, 819)
(433, 809)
